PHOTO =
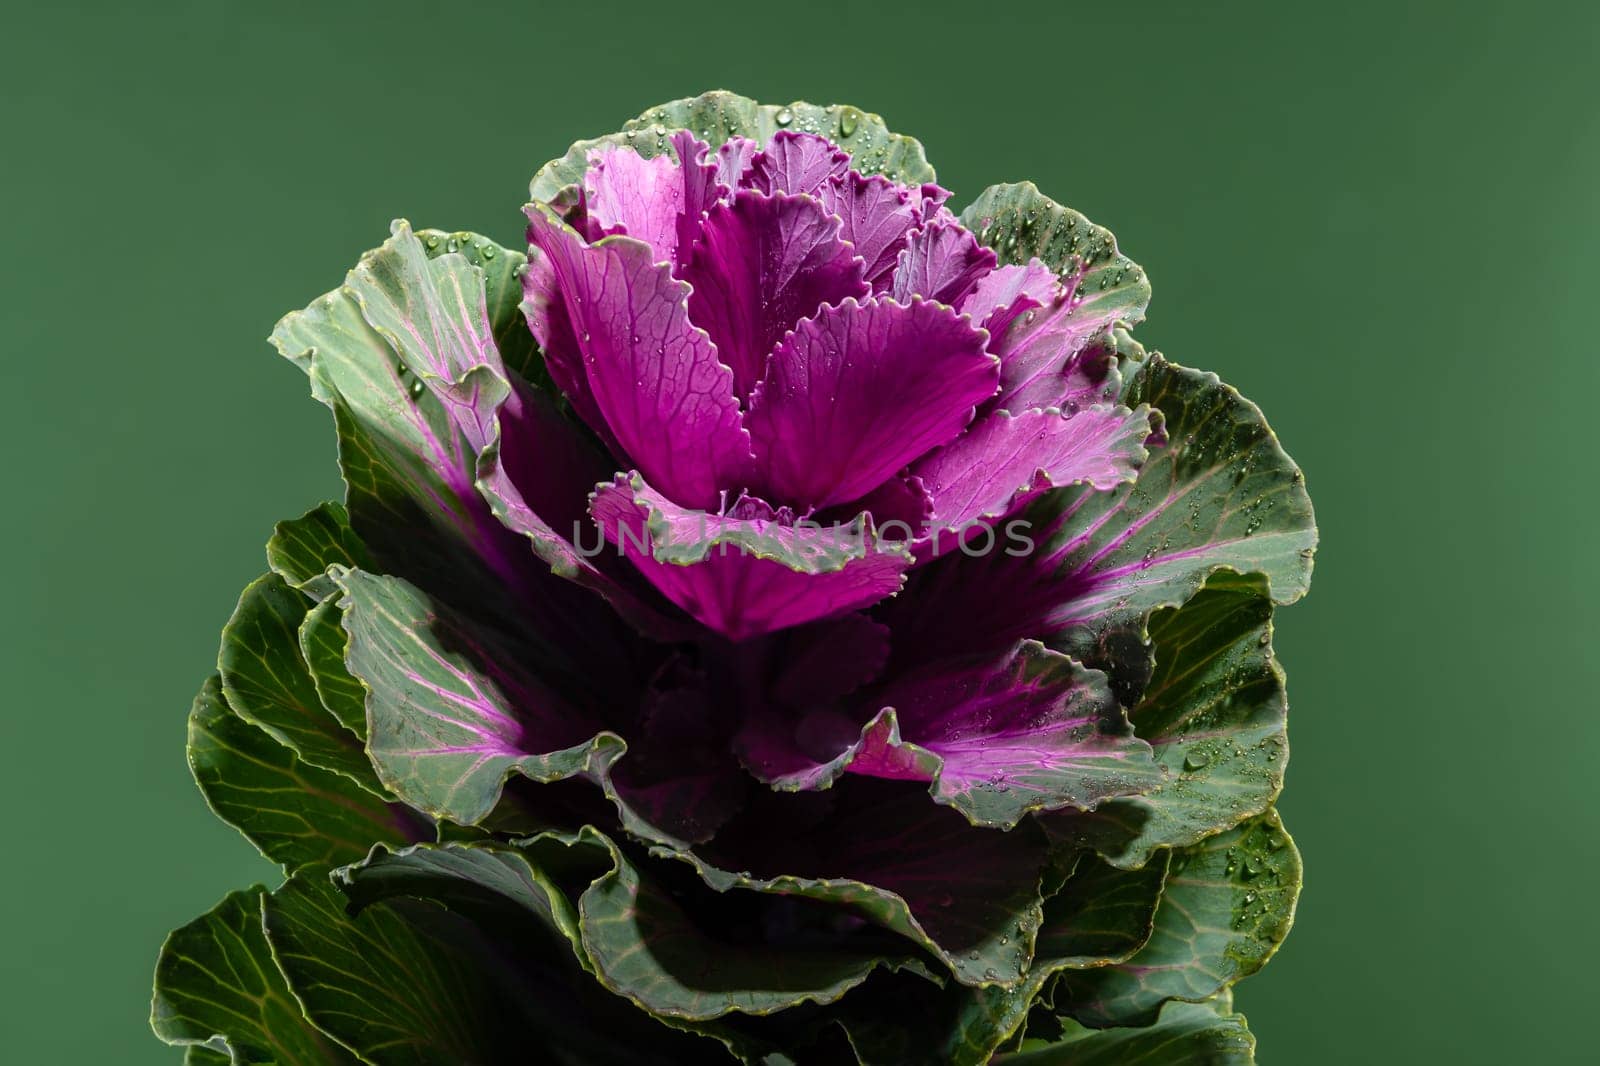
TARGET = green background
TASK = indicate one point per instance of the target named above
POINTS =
(1378, 221)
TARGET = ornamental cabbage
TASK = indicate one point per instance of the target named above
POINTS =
(775, 619)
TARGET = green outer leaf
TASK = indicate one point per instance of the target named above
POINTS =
(1100, 916)
(502, 280)
(216, 984)
(716, 116)
(1019, 222)
(407, 471)
(496, 884)
(456, 708)
(404, 354)
(684, 973)
(200, 1055)
(1228, 904)
(1221, 495)
(1186, 1034)
(984, 925)
(443, 733)
(391, 992)
(267, 683)
(323, 645)
(293, 812)
(1223, 485)
(301, 549)
(1215, 712)
(624, 928)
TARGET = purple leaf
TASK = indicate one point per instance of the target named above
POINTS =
(941, 262)
(1003, 460)
(701, 189)
(1005, 294)
(545, 307)
(827, 660)
(998, 739)
(903, 504)
(637, 197)
(745, 576)
(796, 163)
(1222, 495)
(877, 215)
(1051, 356)
(760, 265)
(679, 771)
(931, 197)
(733, 160)
(655, 378)
(860, 390)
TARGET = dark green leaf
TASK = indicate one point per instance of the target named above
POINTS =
(684, 972)
(216, 985)
(1228, 904)
(295, 813)
(301, 549)
(969, 896)
(1215, 713)
(322, 644)
(267, 683)
(488, 978)
(1221, 495)
(523, 891)
(1100, 915)
(629, 930)
(1185, 1034)
(457, 707)
(452, 712)
(644, 946)
(400, 989)
(408, 473)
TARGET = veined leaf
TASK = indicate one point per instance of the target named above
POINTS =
(323, 644)
(1229, 902)
(1185, 1034)
(1215, 714)
(267, 683)
(294, 812)
(1220, 495)
(301, 549)
(217, 986)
